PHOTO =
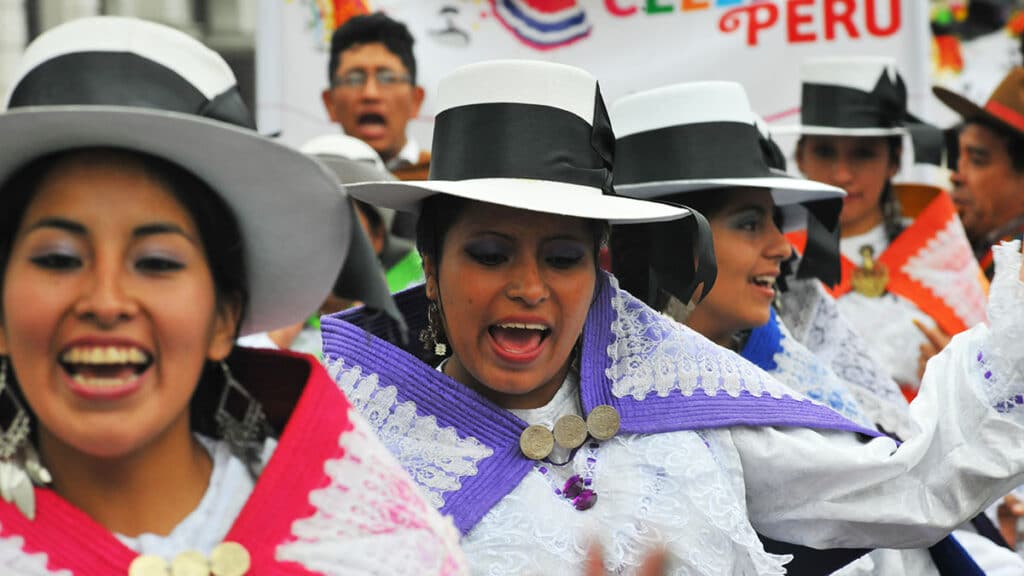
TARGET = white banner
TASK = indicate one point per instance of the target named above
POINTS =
(629, 45)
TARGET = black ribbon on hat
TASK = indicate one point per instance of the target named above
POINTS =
(514, 140)
(712, 150)
(885, 106)
(821, 254)
(123, 79)
(660, 259)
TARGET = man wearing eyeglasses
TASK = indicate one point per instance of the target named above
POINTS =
(373, 92)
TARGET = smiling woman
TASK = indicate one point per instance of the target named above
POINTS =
(134, 249)
(909, 276)
(747, 204)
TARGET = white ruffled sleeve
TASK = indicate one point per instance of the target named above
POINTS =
(832, 489)
(1002, 355)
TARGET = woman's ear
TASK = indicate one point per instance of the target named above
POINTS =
(430, 277)
(225, 330)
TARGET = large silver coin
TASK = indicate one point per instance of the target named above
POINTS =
(536, 442)
(603, 422)
(570, 431)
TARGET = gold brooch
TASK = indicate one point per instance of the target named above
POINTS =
(872, 277)
(227, 559)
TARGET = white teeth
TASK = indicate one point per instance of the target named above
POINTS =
(105, 355)
(766, 280)
(522, 326)
(100, 382)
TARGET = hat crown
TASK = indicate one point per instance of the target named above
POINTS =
(852, 95)
(117, 61)
(681, 104)
(343, 146)
(707, 129)
(855, 72)
(557, 86)
(522, 119)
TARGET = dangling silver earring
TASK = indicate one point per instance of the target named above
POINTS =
(19, 462)
(432, 336)
(245, 436)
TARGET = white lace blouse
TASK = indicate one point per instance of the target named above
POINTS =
(702, 494)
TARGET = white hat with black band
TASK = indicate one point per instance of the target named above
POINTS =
(524, 134)
(136, 85)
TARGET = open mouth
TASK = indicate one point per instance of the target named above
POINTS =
(764, 281)
(105, 367)
(372, 119)
(519, 339)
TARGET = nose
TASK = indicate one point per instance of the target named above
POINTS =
(527, 283)
(778, 246)
(957, 178)
(371, 90)
(843, 173)
(105, 301)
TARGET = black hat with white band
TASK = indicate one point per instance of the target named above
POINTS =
(524, 134)
(136, 85)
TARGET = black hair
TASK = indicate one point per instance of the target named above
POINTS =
(370, 28)
(1012, 139)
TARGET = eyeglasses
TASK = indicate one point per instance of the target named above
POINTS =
(357, 79)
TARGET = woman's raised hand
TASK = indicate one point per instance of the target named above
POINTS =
(653, 565)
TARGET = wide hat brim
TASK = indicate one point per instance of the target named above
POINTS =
(291, 210)
(786, 190)
(968, 109)
(810, 130)
(525, 194)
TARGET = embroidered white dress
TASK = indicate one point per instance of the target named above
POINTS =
(702, 494)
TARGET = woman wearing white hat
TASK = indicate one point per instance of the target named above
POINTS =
(730, 180)
(895, 271)
(143, 225)
(565, 409)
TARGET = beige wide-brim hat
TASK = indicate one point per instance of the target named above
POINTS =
(140, 86)
(523, 134)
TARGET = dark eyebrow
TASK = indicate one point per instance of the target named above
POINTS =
(144, 230)
(163, 228)
(978, 150)
(757, 208)
(61, 224)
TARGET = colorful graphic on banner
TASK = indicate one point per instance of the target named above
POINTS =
(543, 24)
(327, 15)
(629, 45)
